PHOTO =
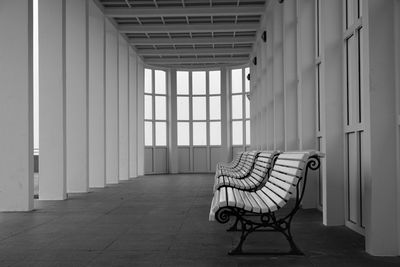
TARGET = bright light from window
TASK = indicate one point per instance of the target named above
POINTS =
(148, 81)
(199, 82)
(215, 133)
(199, 108)
(182, 82)
(236, 81)
(183, 133)
(247, 82)
(247, 107)
(161, 107)
(215, 82)
(237, 107)
(199, 134)
(237, 132)
(160, 82)
(161, 133)
(215, 107)
(248, 132)
(148, 107)
(148, 133)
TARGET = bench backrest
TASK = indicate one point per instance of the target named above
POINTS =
(234, 162)
(288, 170)
(262, 167)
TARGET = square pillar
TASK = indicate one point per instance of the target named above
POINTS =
(16, 105)
(52, 94)
(96, 123)
(133, 156)
(76, 97)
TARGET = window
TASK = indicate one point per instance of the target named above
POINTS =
(155, 108)
(240, 107)
(199, 108)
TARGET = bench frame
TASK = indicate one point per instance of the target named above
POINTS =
(251, 222)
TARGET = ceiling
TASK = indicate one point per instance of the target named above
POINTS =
(188, 33)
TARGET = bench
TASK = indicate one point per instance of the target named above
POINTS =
(243, 167)
(232, 164)
(255, 178)
(258, 210)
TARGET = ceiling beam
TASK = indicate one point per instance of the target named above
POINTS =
(220, 27)
(201, 51)
(238, 60)
(197, 40)
(187, 11)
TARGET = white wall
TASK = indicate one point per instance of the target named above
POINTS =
(133, 146)
(16, 106)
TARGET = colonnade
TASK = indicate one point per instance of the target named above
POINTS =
(89, 86)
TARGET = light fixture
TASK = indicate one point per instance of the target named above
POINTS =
(255, 61)
(264, 36)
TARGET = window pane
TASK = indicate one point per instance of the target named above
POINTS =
(247, 83)
(161, 107)
(199, 108)
(237, 133)
(215, 107)
(148, 133)
(199, 134)
(247, 101)
(182, 82)
(148, 107)
(148, 83)
(215, 82)
(161, 133)
(215, 133)
(236, 81)
(160, 82)
(182, 107)
(237, 107)
(247, 132)
(198, 82)
(183, 133)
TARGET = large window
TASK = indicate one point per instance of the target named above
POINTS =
(199, 108)
(240, 107)
(155, 105)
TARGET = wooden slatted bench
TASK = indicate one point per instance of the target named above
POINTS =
(232, 164)
(242, 169)
(255, 178)
(257, 210)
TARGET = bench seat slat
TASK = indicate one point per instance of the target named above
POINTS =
(254, 206)
(279, 191)
(290, 171)
(276, 199)
(231, 198)
(291, 163)
(239, 200)
(271, 205)
(263, 206)
(286, 178)
(280, 183)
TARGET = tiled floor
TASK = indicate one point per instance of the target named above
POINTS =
(161, 221)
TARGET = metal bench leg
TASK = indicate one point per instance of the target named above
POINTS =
(234, 227)
(245, 232)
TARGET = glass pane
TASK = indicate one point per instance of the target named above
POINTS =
(237, 133)
(182, 82)
(198, 82)
(199, 134)
(215, 107)
(148, 133)
(182, 108)
(148, 107)
(237, 107)
(215, 82)
(215, 133)
(148, 82)
(236, 81)
(161, 133)
(247, 102)
(183, 133)
(247, 83)
(161, 107)
(199, 108)
(247, 132)
(160, 82)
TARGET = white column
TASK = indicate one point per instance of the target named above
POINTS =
(225, 115)
(132, 114)
(123, 109)
(52, 171)
(278, 81)
(97, 163)
(307, 92)
(332, 114)
(76, 97)
(140, 118)
(111, 76)
(380, 193)
(290, 74)
(269, 100)
(16, 105)
(172, 125)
